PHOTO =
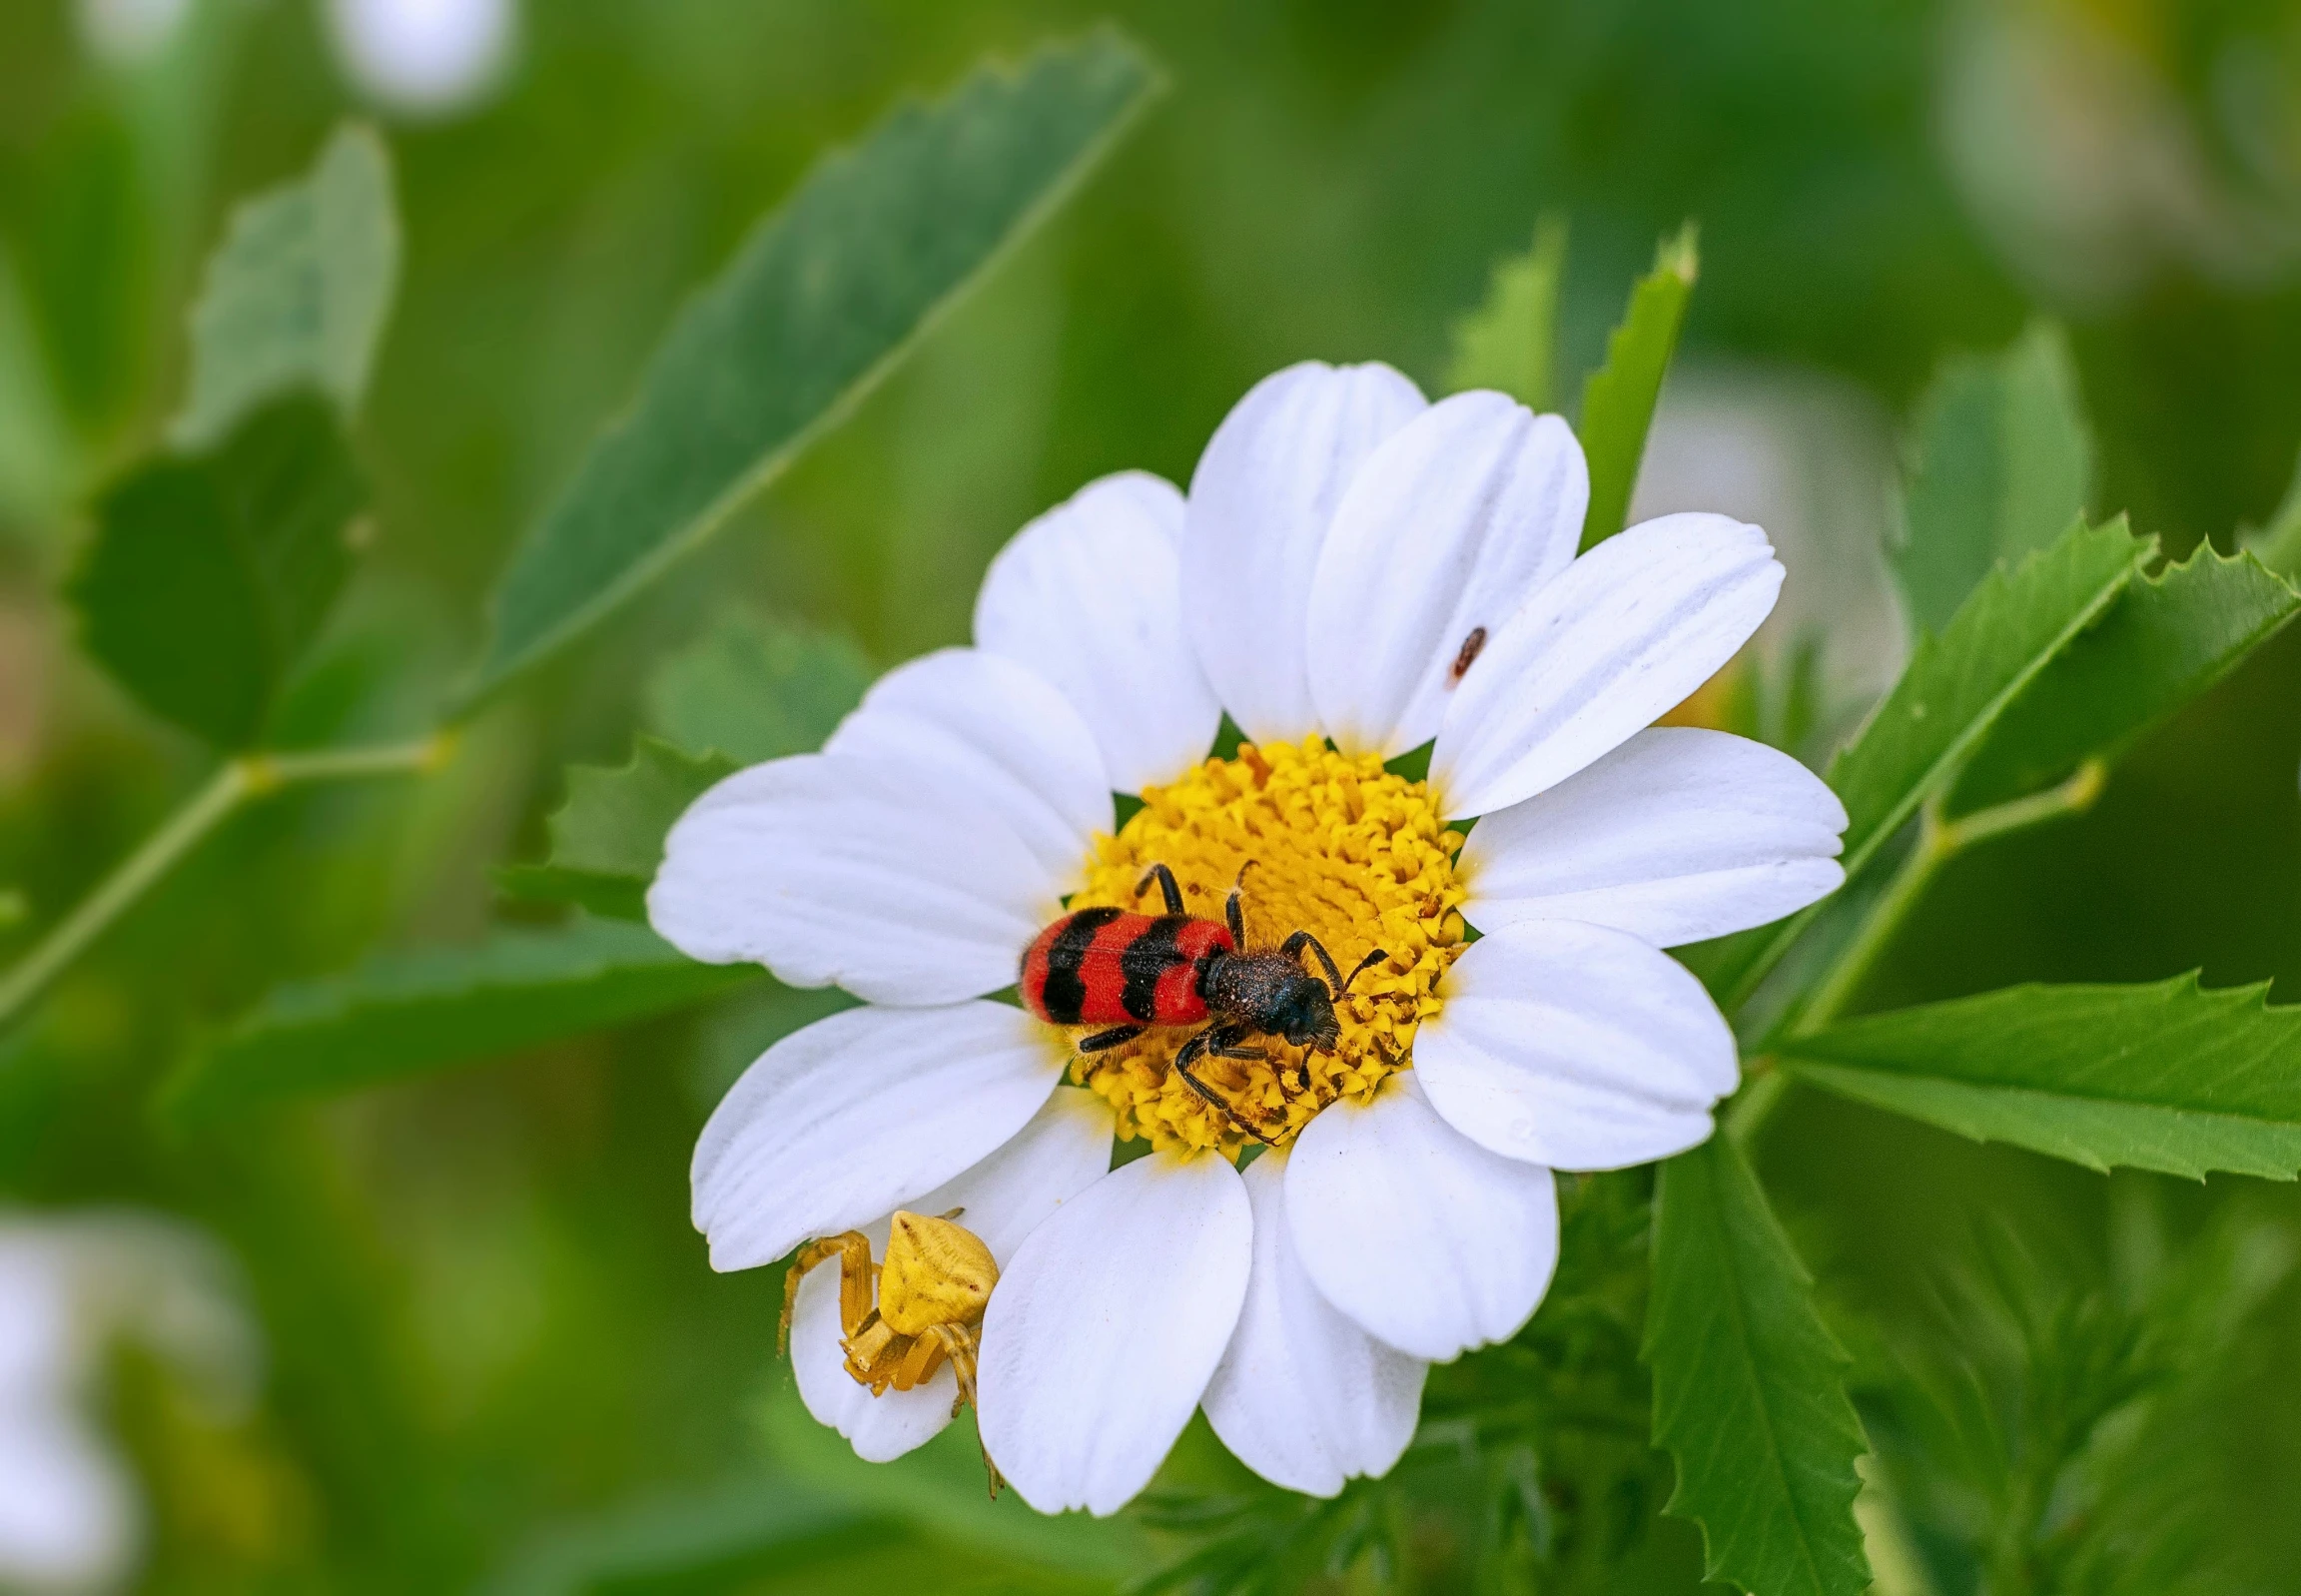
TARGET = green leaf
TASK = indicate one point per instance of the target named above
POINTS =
(813, 309)
(297, 292)
(1618, 399)
(208, 577)
(2167, 639)
(403, 1014)
(755, 689)
(1951, 694)
(1957, 684)
(1749, 1387)
(1510, 341)
(678, 1540)
(607, 837)
(2278, 544)
(1999, 459)
(2164, 1076)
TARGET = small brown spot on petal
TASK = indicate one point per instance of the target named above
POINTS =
(1468, 654)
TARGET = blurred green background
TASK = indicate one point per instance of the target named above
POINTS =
(492, 1355)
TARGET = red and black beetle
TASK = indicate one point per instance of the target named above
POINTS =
(1129, 971)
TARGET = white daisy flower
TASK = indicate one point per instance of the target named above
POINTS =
(1356, 573)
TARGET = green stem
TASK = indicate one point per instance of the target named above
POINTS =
(241, 779)
(1939, 842)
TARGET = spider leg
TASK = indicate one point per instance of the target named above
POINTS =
(1166, 879)
(920, 1361)
(1192, 1050)
(958, 1345)
(885, 1363)
(1116, 1037)
(1294, 946)
(857, 1276)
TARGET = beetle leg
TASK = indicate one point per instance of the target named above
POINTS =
(857, 1276)
(1363, 965)
(1191, 1052)
(1294, 946)
(1233, 912)
(1166, 879)
(1116, 1037)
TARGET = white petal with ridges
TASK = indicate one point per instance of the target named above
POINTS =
(1447, 528)
(1261, 501)
(1103, 1333)
(1090, 596)
(1575, 1047)
(1304, 1396)
(859, 1115)
(1621, 636)
(862, 873)
(1429, 1242)
(1064, 1150)
(988, 732)
(883, 1428)
(1679, 835)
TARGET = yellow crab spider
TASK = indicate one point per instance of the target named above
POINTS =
(900, 1320)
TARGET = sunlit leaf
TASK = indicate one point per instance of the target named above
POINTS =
(404, 1014)
(607, 837)
(208, 575)
(2164, 1076)
(756, 689)
(1952, 693)
(2167, 639)
(1510, 341)
(812, 311)
(1618, 399)
(297, 292)
(1749, 1387)
(1999, 459)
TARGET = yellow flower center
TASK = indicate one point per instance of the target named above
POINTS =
(1340, 846)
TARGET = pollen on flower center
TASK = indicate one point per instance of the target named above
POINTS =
(1357, 855)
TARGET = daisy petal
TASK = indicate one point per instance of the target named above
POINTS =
(1428, 1241)
(1090, 596)
(832, 869)
(1575, 1047)
(1104, 1329)
(1678, 835)
(880, 1428)
(1448, 527)
(1062, 1151)
(1304, 1397)
(983, 728)
(1266, 491)
(852, 1117)
(1619, 636)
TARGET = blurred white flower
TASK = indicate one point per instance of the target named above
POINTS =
(2091, 173)
(68, 1516)
(1810, 458)
(127, 31)
(423, 56)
